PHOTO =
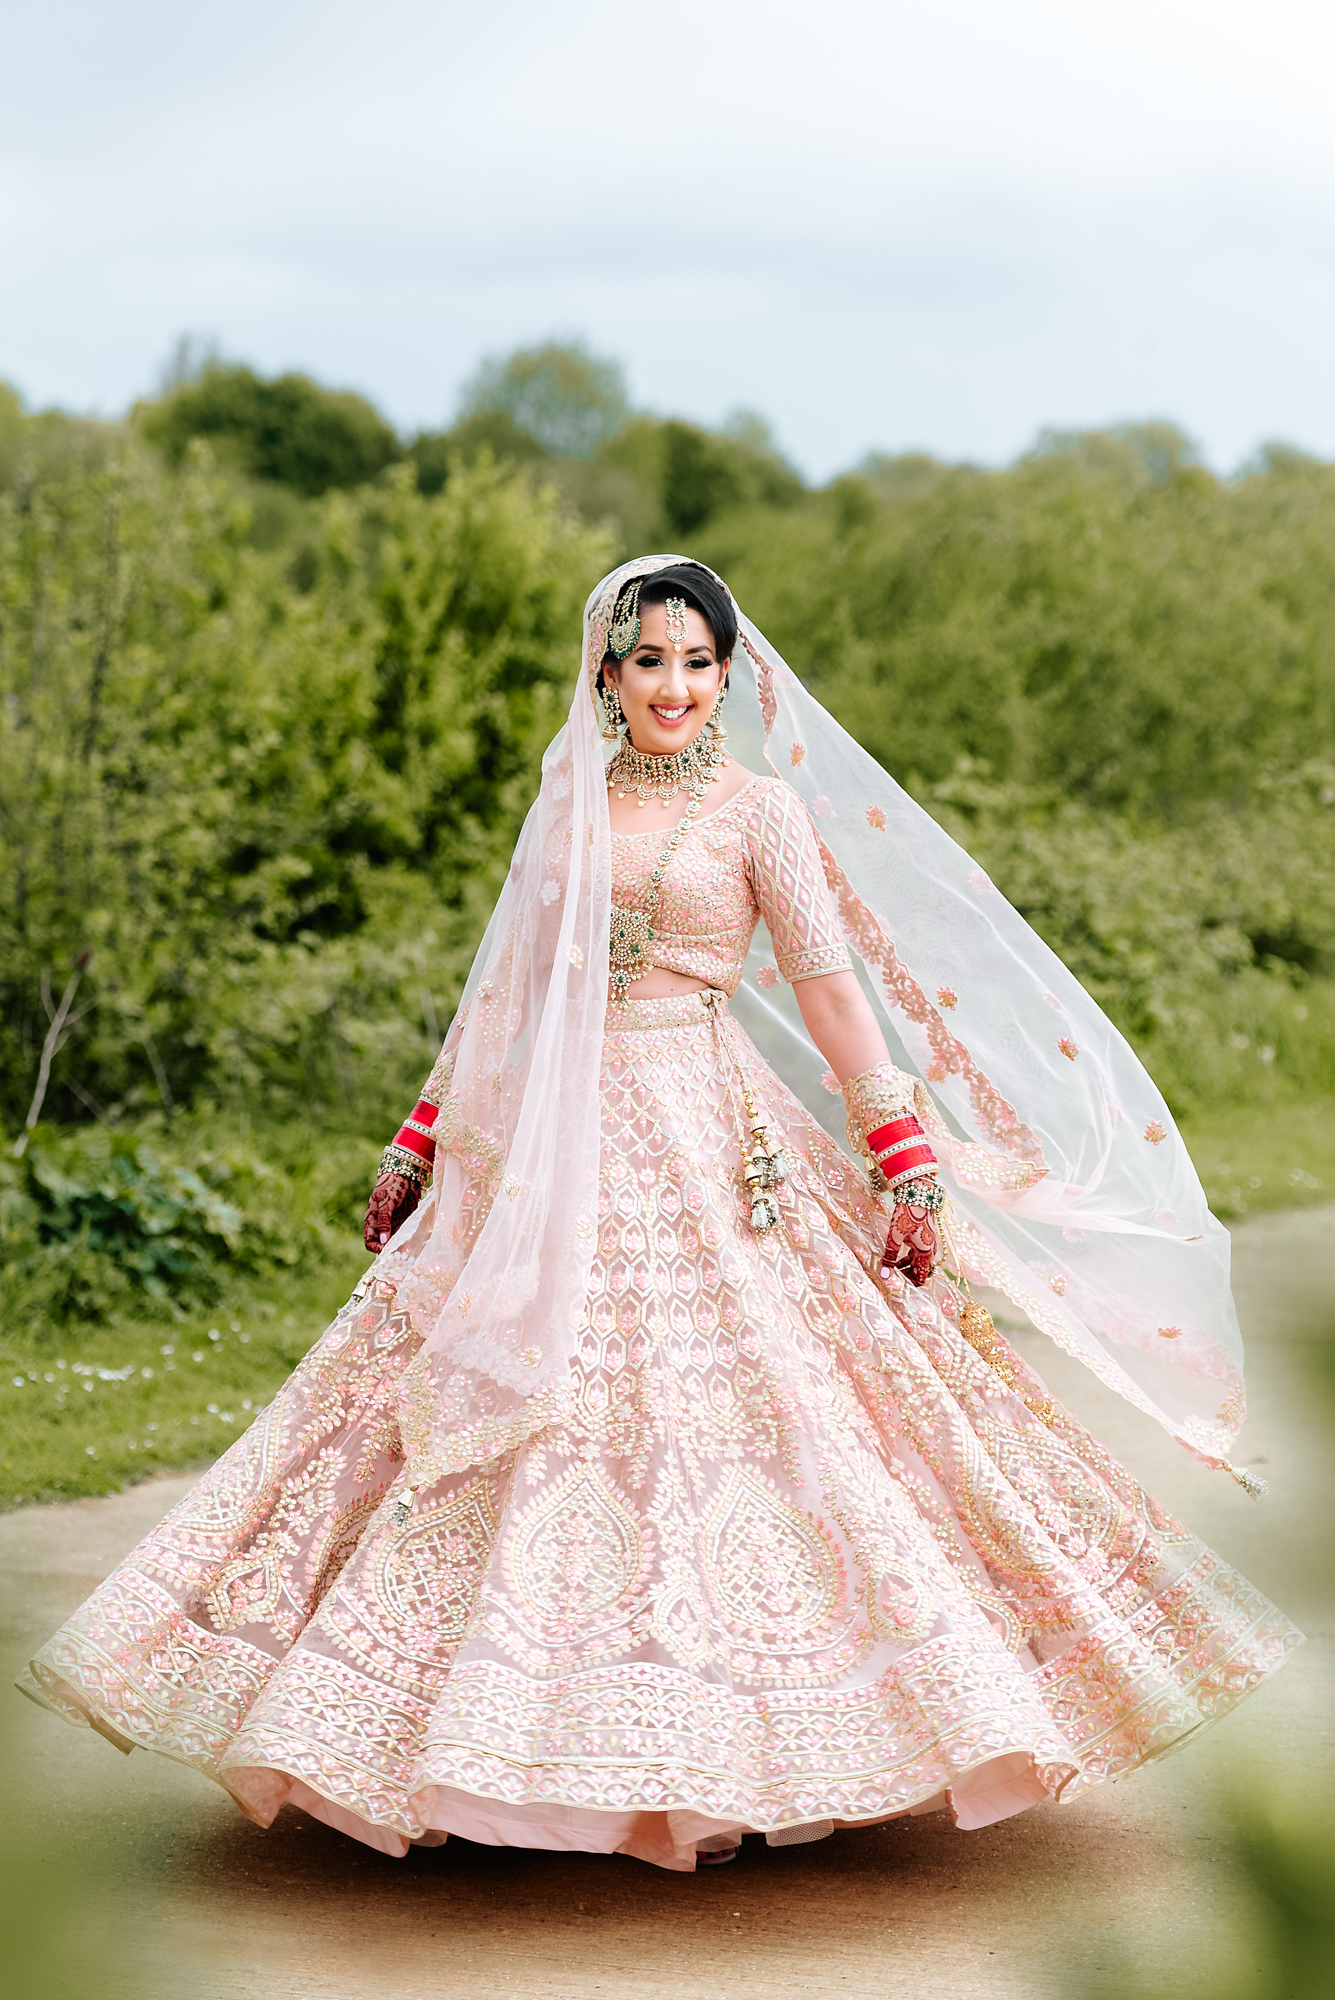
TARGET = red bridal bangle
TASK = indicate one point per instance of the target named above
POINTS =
(412, 1151)
(900, 1151)
(415, 1133)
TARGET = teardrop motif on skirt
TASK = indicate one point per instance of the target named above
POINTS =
(249, 1590)
(576, 1555)
(1081, 1512)
(1025, 1480)
(774, 1572)
(426, 1576)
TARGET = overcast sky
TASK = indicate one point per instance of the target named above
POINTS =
(883, 225)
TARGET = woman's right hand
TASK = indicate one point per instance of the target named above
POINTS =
(393, 1199)
(911, 1244)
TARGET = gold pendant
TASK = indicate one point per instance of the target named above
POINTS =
(632, 935)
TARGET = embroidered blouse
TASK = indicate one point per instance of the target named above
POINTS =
(755, 857)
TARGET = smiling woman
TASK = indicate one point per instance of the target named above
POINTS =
(663, 1481)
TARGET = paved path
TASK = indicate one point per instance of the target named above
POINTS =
(139, 1869)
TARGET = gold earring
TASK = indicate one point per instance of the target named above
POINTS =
(676, 622)
(612, 712)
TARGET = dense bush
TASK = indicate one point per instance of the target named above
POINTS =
(1210, 942)
(94, 1223)
(273, 806)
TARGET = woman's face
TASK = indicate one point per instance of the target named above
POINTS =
(668, 696)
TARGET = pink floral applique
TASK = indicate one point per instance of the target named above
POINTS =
(576, 955)
(979, 882)
(832, 1083)
(1068, 1048)
(876, 818)
(1058, 1284)
(512, 1187)
(937, 1072)
(1170, 1333)
(822, 807)
(947, 996)
(530, 1357)
(767, 976)
(1155, 1132)
(796, 754)
(465, 1305)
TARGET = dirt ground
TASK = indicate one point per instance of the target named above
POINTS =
(133, 1878)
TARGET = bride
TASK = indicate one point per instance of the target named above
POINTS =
(665, 1480)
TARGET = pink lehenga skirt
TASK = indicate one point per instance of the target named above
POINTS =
(800, 1558)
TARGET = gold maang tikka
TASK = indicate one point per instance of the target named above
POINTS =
(676, 622)
(623, 633)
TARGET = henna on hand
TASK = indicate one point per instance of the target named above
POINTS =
(393, 1199)
(911, 1246)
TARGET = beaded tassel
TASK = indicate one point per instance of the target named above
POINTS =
(765, 1175)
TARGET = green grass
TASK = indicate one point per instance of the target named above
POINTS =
(89, 1412)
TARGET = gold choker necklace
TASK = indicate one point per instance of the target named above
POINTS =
(690, 769)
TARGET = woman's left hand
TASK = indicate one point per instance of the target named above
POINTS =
(911, 1245)
(393, 1200)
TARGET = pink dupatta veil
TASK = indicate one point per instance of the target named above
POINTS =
(1073, 1192)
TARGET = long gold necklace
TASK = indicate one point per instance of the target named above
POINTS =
(633, 924)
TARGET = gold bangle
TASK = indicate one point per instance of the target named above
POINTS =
(411, 1167)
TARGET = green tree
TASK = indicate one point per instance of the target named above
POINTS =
(1071, 622)
(288, 430)
(567, 398)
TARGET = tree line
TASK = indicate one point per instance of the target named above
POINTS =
(275, 682)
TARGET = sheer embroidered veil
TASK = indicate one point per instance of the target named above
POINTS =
(1072, 1190)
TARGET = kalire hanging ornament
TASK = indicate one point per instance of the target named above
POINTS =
(764, 1173)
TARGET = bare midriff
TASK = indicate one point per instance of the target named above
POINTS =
(656, 985)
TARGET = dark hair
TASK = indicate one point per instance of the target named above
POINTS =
(693, 582)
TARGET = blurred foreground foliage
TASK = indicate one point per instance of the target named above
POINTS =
(275, 684)
(1273, 1931)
